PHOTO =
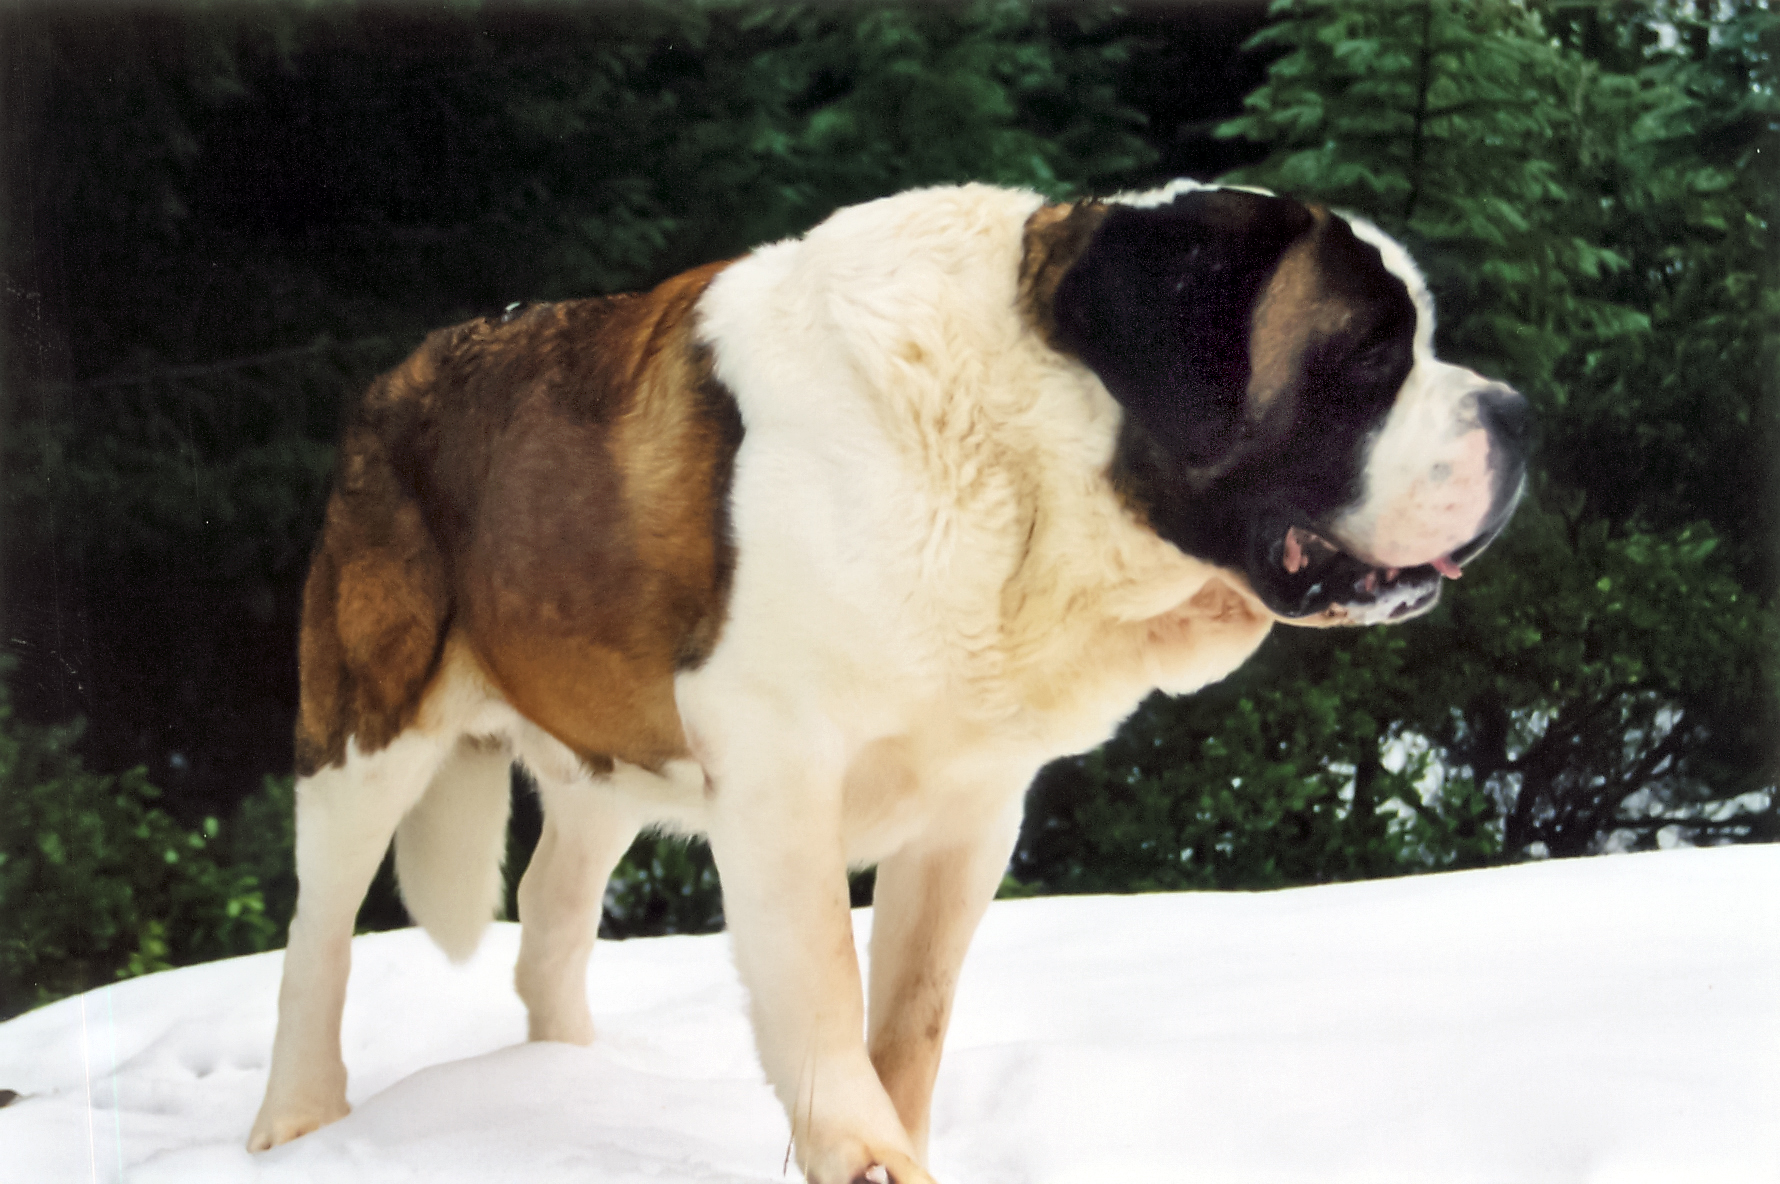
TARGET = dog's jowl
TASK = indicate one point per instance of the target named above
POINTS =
(822, 554)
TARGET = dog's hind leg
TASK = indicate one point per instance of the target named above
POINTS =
(346, 815)
(587, 828)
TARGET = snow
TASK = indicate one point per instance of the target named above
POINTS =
(1612, 1019)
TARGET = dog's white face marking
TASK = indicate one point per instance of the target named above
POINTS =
(1430, 481)
(1434, 473)
(1398, 262)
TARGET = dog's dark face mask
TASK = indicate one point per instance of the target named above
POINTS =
(1283, 416)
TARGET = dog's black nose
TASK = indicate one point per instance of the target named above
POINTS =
(1506, 414)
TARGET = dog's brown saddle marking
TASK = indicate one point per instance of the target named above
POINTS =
(553, 487)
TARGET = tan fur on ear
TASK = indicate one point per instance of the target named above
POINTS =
(1294, 310)
(1054, 239)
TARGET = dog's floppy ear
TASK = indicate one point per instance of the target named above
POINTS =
(1159, 304)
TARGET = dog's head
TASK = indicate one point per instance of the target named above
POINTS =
(1285, 416)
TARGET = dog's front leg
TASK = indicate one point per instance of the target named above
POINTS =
(929, 897)
(775, 831)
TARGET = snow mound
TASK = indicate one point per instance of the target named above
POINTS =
(1614, 1019)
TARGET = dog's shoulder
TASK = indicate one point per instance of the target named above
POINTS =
(899, 295)
(919, 448)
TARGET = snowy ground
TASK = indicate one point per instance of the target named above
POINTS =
(1613, 1019)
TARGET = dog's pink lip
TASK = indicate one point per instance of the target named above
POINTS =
(1295, 559)
(1447, 563)
(1302, 547)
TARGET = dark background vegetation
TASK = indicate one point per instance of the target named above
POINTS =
(221, 220)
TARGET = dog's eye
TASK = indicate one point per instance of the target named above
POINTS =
(1376, 359)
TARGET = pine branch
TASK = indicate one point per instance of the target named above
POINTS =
(1601, 818)
(1424, 81)
(206, 369)
(1696, 826)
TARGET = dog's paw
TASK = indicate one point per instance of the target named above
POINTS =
(276, 1125)
(866, 1167)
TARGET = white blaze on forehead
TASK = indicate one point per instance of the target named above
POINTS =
(1149, 199)
(1397, 261)
(1428, 482)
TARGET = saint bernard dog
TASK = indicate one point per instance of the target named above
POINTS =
(821, 554)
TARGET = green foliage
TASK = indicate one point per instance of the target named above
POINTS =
(260, 841)
(1599, 228)
(302, 190)
(97, 883)
(704, 130)
(234, 217)
(1586, 688)
(1593, 683)
(663, 885)
(1283, 774)
(1684, 422)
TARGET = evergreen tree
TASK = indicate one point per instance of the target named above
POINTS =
(97, 882)
(229, 218)
(220, 221)
(302, 191)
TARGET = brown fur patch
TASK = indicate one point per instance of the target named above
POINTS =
(1054, 239)
(553, 486)
(373, 609)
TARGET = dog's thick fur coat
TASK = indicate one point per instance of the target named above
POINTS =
(822, 554)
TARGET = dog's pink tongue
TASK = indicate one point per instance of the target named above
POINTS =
(1446, 567)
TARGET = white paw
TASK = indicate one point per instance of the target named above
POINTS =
(863, 1165)
(281, 1124)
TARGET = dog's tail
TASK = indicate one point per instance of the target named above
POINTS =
(450, 846)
